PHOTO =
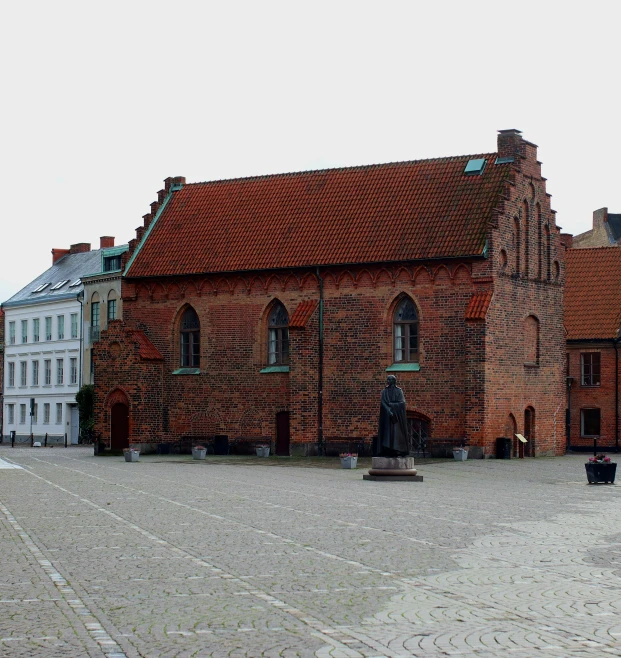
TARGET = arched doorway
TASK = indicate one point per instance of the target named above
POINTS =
(529, 432)
(510, 432)
(119, 426)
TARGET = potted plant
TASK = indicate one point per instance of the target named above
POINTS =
(600, 469)
(131, 455)
(460, 453)
(349, 459)
(262, 451)
(199, 452)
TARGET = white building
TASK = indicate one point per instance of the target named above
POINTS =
(43, 353)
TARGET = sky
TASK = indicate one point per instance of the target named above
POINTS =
(101, 101)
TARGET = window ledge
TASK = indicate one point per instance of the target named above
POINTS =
(403, 367)
(530, 364)
(590, 386)
(269, 369)
(187, 371)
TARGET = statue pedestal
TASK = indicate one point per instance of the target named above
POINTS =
(393, 469)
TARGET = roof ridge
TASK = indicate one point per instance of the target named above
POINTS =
(450, 158)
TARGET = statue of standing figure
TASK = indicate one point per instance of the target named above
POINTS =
(392, 438)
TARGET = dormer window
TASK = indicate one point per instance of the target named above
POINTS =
(111, 263)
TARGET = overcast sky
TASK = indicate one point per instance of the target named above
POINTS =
(103, 100)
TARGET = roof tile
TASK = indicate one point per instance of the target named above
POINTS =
(302, 314)
(147, 350)
(478, 305)
(592, 299)
(378, 213)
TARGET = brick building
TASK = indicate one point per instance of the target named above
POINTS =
(606, 231)
(593, 321)
(272, 308)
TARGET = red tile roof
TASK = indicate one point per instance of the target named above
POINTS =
(302, 314)
(148, 351)
(378, 213)
(478, 305)
(592, 293)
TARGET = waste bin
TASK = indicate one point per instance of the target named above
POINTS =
(221, 444)
(503, 448)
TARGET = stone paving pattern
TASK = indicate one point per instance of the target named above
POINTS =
(173, 557)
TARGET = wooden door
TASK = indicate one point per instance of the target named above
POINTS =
(119, 426)
(282, 433)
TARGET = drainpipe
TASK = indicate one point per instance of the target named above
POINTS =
(614, 342)
(569, 381)
(320, 372)
(80, 298)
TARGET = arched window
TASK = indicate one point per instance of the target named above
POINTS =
(548, 248)
(531, 340)
(526, 238)
(278, 336)
(539, 243)
(406, 331)
(517, 243)
(190, 331)
(112, 306)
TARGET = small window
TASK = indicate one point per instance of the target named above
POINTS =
(61, 327)
(112, 263)
(111, 309)
(23, 371)
(590, 363)
(59, 413)
(74, 325)
(11, 333)
(59, 285)
(24, 331)
(190, 339)
(11, 374)
(73, 370)
(47, 367)
(77, 282)
(48, 328)
(35, 373)
(60, 372)
(406, 332)
(35, 413)
(22, 414)
(11, 414)
(40, 288)
(278, 336)
(35, 330)
(590, 422)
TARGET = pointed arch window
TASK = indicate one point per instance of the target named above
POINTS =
(278, 336)
(190, 331)
(405, 325)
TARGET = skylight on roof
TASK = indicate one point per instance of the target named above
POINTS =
(43, 286)
(475, 167)
(59, 285)
(77, 282)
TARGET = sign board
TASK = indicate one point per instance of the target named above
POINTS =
(521, 438)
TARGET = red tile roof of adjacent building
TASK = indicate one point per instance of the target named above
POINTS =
(379, 213)
(302, 314)
(148, 351)
(478, 305)
(592, 293)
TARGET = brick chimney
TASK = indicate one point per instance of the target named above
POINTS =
(106, 241)
(57, 254)
(567, 239)
(600, 217)
(80, 248)
(510, 144)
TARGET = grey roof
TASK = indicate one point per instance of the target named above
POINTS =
(69, 268)
(614, 222)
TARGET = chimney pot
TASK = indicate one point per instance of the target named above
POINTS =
(106, 241)
(80, 248)
(509, 144)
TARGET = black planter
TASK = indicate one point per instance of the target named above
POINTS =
(601, 472)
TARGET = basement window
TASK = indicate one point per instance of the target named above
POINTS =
(475, 167)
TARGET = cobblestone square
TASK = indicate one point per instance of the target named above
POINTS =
(254, 557)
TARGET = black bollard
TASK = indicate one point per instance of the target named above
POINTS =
(65, 439)
(12, 438)
(31, 439)
(46, 439)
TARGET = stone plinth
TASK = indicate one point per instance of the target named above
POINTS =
(393, 469)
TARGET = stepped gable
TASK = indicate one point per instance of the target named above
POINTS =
(394, 212)
(592, 300)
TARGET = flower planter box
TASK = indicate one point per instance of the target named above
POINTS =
(601, 472)
(199, 453)
(131, 455)
(349, 462)
(262, 451)
(460, 454)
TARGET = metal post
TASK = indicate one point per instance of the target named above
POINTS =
(594, 447)
(45, 445)
(12, 438)
(65, 439)
(31, 439)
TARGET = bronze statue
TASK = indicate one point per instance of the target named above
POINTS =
(392, 438)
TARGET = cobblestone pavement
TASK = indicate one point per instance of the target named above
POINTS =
(170, 557)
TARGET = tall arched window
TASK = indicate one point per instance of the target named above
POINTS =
(190, 331)
(278, 336)
(526, 238)
(406, 331)
(517, 243)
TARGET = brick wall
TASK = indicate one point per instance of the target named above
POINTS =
(600, 397)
